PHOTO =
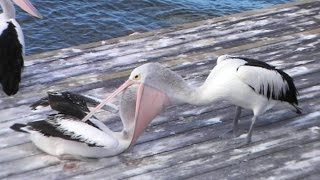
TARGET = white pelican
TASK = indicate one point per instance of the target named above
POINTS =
(12, 44)
(244, 82)
(67, 137)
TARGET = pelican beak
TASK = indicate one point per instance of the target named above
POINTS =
(150, 102)
(106, 100)
(28, 7)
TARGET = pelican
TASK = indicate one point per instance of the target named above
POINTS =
(245, 83)
(65, 136)
(12, 44)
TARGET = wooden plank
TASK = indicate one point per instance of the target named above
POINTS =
(273, 164)
(199, 165)
(162, 145)
(185, 141)
(137, 47)
(304, 70)
(238, 16)
(87, 79)
(156, 43)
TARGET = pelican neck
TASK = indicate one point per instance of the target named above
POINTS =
(8, 9)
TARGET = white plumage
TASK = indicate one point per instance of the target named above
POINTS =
(83, 132)
(71, 138)
(243, 82)
(65, 136)
(261, 80)
(4, 23)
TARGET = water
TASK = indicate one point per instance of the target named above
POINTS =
(74, 22)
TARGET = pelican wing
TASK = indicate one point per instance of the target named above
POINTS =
(268, 81)
(11, 57)
(71, 103)
(65, 127)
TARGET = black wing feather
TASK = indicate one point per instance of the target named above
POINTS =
(11, 60)
(68, 103)
(290, 95)
(51, 129)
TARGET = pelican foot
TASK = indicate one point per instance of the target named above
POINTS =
(231, 134)
(235, 133)
(248, 141)
(227, 135)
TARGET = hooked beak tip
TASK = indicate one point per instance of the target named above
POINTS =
(39, 16)
(27, 6)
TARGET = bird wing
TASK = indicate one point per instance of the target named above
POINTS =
(267, 81)
(11, 57)
(71, 103)
(65, 127)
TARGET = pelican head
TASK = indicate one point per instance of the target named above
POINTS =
(163, 79)
(152, 94)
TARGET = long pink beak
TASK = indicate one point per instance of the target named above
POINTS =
(150, 102)
(105, 101)
(28, 7)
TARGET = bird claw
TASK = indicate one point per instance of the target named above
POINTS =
(235, 133)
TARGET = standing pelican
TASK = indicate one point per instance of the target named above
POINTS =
(12, 44)
(65, 136)
(244, 82)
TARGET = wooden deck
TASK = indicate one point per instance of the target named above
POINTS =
(185, 141)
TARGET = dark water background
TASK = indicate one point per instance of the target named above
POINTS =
(72, 22)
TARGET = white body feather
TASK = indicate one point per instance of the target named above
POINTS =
(106, 144)
(4, 25)
(230, 80)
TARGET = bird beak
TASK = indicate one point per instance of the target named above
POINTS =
(149, 103)
(28, 7)
(106, 100)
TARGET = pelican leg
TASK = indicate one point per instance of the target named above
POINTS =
(253, 120)
(236, 120)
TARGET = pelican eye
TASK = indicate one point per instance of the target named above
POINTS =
(137, 77)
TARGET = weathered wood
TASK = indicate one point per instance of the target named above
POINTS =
(294, 56)
(154, 148)
(7, 134)
(143, 49)
(185, 141)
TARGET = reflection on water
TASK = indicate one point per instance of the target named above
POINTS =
(74, 22)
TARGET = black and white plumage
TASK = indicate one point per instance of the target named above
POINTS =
(11, 60)
(253, 85)
(12, 45)
(68, 128)
(243, 82)
(70, 103)
(66, 125)
(266, 80)
(66, 136)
